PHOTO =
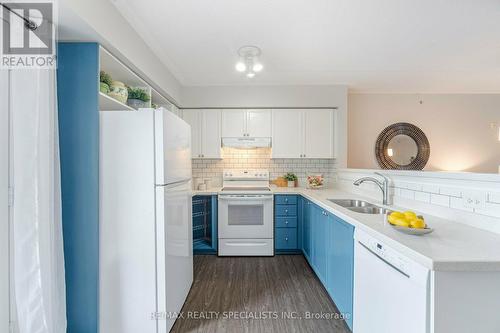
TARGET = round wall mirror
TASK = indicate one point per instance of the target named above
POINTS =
(402, 146)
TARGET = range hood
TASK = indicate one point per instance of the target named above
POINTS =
(246, 142)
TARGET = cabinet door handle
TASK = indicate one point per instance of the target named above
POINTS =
(286, 211)
(286, 199)
(286, 222)
(286, 239)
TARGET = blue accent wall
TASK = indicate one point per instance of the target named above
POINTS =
(77, 96)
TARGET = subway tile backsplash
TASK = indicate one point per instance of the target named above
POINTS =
(260, 158)
(433, 195)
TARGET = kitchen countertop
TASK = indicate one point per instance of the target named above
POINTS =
(452, 246)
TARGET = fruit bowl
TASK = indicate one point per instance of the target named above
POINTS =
(315, 181)
(413, 231)
(408, 223)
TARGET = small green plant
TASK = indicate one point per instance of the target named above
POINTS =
(291, 177)
(104, 88)
(105, 78)
(138, 93)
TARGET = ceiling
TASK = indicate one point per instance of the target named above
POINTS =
(371, 46)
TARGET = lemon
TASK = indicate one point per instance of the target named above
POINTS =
(399, 221)
(397, 214)
(417, 223)
(410, 215)
(392, 218)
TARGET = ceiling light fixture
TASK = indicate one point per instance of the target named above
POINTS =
(240, 66)
(248, 62)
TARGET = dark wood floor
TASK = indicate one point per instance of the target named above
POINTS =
(262, 291)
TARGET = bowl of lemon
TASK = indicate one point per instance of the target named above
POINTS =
(408, 222)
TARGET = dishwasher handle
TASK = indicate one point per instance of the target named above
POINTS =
(383, 260)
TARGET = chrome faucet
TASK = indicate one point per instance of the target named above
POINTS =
(384, 186)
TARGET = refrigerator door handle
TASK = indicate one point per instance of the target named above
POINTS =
(177, 183)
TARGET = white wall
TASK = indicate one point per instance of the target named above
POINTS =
(99, 21)
(264, 96)
(276, 96)
(458, 127)
(4, 208)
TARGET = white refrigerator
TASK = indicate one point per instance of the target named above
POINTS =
(146, 252)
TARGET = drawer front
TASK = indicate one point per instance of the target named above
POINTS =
(286, 210)
(285, 199)
(286, 222)
(246, 247)
(286, 238)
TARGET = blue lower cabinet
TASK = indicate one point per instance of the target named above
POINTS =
(320, 243)
(285, 210)
(300, 224)
(285, 223)
(285, 199)
(286, 238)
(327, 242)
(306, 229)
(340, 268)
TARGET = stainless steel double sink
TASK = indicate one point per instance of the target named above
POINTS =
(359, 206)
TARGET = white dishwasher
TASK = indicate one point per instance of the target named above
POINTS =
(391, 292)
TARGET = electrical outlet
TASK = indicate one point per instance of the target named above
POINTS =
(473, 199)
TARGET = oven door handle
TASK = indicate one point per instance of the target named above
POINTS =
(245, 197)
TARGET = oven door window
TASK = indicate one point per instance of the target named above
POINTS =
(241, 215)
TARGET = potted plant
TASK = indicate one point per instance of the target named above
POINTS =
(291, 178)
(138, 98)
(105, 82)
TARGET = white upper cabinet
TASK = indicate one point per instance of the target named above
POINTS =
(205, 132)
(193, 118)
(246, 123)
(287, 134)
(304, 133)
(259, 123)
(234, 123)
(211, 134)
(318, 133)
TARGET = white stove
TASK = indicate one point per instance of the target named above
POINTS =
(245, 181)
(246, 214)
